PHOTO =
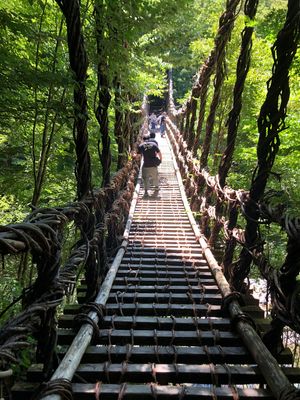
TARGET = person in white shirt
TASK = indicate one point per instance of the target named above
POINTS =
(152, 122)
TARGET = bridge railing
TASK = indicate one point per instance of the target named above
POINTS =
(59, 263)
(214, 219)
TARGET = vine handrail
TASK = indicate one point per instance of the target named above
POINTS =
(100, 218)
(220, 206)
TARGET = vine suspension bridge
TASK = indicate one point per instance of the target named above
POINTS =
(162, 307)
(160, 327)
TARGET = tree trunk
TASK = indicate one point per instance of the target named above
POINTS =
(104, 97)
(79, 65)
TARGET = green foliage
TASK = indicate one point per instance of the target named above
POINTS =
(272, 22)
(10, 289)
(33, 74)
(10, 211)
(141, 40)
(26, 358)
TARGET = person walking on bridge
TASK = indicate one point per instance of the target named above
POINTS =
(151, 137)
(162, 123)
(152, 157)
(152, 122)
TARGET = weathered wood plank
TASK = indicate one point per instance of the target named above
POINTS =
(83, 391)
(184, 310)
(137, 245)
(162, 243)
(164, 261)
(161, 223)
(158, 233)
(169, 354)
(157, 310)
(214, 374)
(165, 231)
(131, 288)
(163, 323)
(162, 298)
(151, 210)
(165, 254)
(164, 267)
(125, 271)
(158, 337)
(169, 217)
(164, 281)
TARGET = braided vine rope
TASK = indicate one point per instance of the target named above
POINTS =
(79, 65)
(42, 235)
(239, 199)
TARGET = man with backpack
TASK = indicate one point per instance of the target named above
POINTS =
(152, 157)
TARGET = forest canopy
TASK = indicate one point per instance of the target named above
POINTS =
(131, 44)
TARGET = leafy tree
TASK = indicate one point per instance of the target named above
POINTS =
(33, 83)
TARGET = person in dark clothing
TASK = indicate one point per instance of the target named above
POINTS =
(162, 123)
(151, 138)
(152, 158)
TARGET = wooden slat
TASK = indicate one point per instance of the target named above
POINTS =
(139, 247)
(163, 231)
(163, 288)
(168, 373)
(161, 261)
(162, 253)
(163, 323)
(169, 354)
(183, 268)
(177, 373)
(170, 241)
(157, 232)
(159, 288)
(158, 310)
(123, 271)
(162, 298)
(165, 309)
(164, 281)
(163, 222)
(165, 338)
(152, 207)
(149, 392)
(158, 337)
